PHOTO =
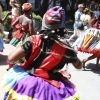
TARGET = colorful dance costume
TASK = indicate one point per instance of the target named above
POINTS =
(90, 42)
(21, 31)
(47, 57)
(1, 33)
(14, 17)
(19, 35)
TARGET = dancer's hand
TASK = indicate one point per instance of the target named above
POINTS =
(77, 64)
(9, 13)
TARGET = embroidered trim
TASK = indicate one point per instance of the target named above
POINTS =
(56, 53)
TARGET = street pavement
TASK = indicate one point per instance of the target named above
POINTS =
(87, 82)
(3, 65)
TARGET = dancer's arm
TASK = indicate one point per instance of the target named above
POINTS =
(3, 20)
(77, 64)
(16, 55)
(31, 28)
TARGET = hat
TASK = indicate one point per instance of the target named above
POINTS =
(54, 18)
(26, 6)
(80, 6)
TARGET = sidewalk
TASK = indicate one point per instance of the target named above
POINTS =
(3, 65)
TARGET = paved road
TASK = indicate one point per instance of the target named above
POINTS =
(3, 65)
(87, 82)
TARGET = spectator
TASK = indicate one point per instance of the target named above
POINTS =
(78, 14)
(92, 5)
(97, 12)
(86, 19)
(15, 13)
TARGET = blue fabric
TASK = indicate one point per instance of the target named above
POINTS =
(15, 73)
(5, 96)
(1, 43)
(77, 16)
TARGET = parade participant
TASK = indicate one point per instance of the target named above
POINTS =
(90, 58)
(26, 26)
(47, 54)
(15, 13)
(91, 44)
(2, 29)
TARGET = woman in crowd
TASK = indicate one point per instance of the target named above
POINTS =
(86, 19)
(47, 54)
(90, 42)
(25, 28)
(96, 55)
(15, 13)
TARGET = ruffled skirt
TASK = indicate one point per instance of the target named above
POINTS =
(17, 42)
(20, 85)
(90, 42)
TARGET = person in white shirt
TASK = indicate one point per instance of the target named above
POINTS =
(97, 12)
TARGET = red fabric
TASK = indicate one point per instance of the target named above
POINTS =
(96, 25)
(94, 51)
(52, 60)
(0, 30)
(27, 6)
(35, 50)
(1, 50)
(19, 33)
(65, 74)
(13, 20)
(53, 16)
(10, 64)
(48, 63)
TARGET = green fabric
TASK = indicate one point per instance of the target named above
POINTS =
(16, 41)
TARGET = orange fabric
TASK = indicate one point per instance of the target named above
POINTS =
(19, 33)
(36, 43)
(48, 63)
(13, 20)
(27, 6)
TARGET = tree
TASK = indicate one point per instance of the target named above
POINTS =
(42, 9)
